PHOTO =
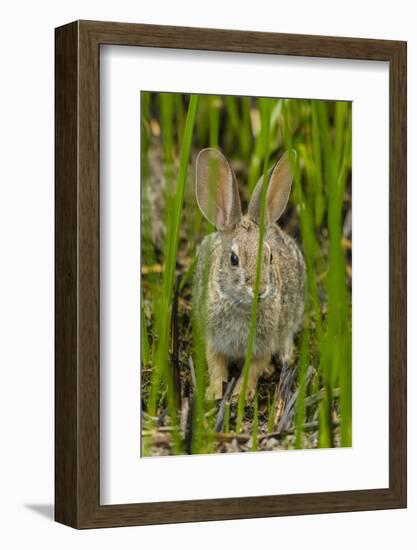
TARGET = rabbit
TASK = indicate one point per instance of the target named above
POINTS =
(224, 279)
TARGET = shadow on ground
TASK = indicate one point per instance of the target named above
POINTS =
(45, 510)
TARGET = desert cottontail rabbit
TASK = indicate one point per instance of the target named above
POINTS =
(226, 267)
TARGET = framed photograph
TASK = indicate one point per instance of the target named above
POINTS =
(230, 274)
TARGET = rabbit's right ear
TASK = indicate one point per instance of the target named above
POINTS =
(216, 190)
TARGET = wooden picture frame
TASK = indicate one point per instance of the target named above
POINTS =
(77, 374)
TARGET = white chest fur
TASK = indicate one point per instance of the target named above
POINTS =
(228, 332)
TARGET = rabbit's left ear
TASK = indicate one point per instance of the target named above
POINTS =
(278, 192)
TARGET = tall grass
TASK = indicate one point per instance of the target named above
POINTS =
(265, 109)
(252, 133)
(163, 310)
(325, 152)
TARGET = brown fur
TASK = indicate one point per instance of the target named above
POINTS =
(223, 294)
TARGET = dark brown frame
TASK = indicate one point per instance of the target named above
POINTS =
(77, 274)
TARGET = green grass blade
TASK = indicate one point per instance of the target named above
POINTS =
(145, 348)
(171, 251)
(265, 107)
(255, 424)
(300, 408)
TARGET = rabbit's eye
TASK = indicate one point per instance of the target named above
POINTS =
(270, 258)
(234, 260)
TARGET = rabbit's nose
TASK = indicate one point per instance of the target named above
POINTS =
(261, 292)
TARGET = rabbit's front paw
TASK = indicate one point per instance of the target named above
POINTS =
(218, 373)
(250, 391)
(214, 390)
(269, 371)
(257, 368)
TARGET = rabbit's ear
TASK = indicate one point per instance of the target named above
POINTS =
(278, 192)
(216, 190)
